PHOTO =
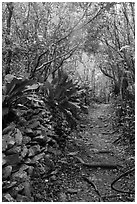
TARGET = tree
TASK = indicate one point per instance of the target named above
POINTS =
(7, 32)
(45, 35)
(112, 41)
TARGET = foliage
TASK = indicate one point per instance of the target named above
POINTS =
(41, 36)
(60, 97)
(15, 93)
(49, 43)
(22, 97)
(61, 93)
(85, 95)
(125, 112)
(112, 41)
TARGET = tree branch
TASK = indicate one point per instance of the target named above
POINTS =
(50, 61)
(106, 74)
(61, 63)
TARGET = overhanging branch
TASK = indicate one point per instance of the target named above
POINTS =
(106, 74)
(58, 57)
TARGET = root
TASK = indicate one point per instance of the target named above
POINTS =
(98, 165)
(94, 186)
(124, 174)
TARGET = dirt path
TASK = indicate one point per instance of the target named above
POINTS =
(101, 135)
(94, 184)
(86, 169)
(102, 150)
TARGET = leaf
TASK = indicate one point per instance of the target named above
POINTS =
(68, 84)
(3, 159)
(8, 198)
(84, 109)
(34, 124)
(71, 92)
(5, 111)
(54, 172)
(8, 78)
(6, 172)
(37, 157)
(54, 151)
(10, 86)
(18, 137)
(74, 106)
(20, 86)
(17, 86)
(11, 127)
(70, 119)
(71, 107)
(33, 98)
(3, 90)
(48, 90)
(32, 87)
(58, 92)
(34, 150)
(28, 131)
(13, 159)
(8, 185)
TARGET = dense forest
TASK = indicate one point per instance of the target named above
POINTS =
(68, 101)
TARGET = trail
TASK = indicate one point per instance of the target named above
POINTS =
(96, 147)
(100, 140)
(90, 163)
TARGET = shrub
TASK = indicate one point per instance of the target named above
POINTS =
(125, 112)
(14, 94)
(61, 94)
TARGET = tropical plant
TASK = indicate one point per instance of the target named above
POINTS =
(61, 93)
(15, 92)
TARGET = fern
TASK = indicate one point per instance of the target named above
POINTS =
(61, 93)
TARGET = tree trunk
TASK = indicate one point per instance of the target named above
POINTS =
(7, 39)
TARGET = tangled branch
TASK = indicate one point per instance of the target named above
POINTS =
(124, 174)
